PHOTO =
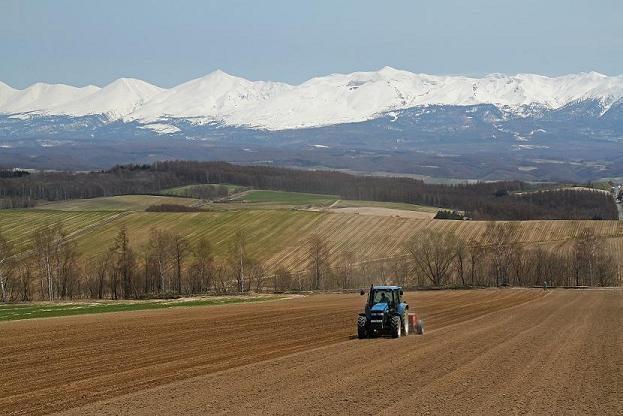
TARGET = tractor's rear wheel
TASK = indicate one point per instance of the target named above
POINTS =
(362, 332)
(396, 327)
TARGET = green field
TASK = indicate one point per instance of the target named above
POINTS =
(344, 203)
(191, 190)
(118, 203)
(252, 199)
(285, 198)
(18, 225)
(268, 231)
(13, 312)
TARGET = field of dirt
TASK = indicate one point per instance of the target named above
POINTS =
(512, 351)
(383, 212)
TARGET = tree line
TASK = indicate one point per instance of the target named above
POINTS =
(442, 259)
(481, 201)
(169, 265)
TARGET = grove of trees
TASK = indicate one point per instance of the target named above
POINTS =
(169, 265)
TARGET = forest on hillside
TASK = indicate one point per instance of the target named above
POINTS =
(482, 201)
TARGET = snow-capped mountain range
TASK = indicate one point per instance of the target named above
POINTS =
(334, 99)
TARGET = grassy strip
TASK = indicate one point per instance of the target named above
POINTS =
(292, 198)
(189, 191)
(32, 311)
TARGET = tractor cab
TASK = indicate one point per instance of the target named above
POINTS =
(384, 296)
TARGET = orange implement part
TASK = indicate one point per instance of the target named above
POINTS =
(412, 320)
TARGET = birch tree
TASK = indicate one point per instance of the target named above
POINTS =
(6, 257)
(180, 250)
(47, 242)
(318, 260)
(238, 257)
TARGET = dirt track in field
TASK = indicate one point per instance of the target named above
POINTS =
(489, 351)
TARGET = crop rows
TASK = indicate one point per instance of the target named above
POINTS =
(279, 236)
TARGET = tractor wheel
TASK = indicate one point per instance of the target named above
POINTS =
(405, 325)
(396, 327)
(361, 327)
(419, 327)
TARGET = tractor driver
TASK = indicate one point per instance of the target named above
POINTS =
(384, 299)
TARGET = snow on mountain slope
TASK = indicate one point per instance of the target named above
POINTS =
(332, 99)
(42, 97)
(115, 100)
(360, 96)
(6, 93)
(215, 97)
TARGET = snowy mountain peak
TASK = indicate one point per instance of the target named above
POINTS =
(5, 87)
(115, 100)
(42, 97)
(214, 97)
(333, 99)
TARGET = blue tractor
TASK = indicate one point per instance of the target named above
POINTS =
(386, 314)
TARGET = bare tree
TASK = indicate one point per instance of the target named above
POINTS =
(346, 268)
(282, 279)
(585, 251)
(605, 271)
(222, 276)
(238, 258)
(461, 254)
(25, 277)
(432, 254)
(181, 249)
(102, 270)
(476, 255)
(518, 265)
(47, 247)
(318, 260)
(124, 262)
(502, 237)
(6, 257)
(202, 267)
(256, 274)
(68, 270)
(159, 250)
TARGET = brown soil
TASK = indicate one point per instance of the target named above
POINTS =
(383, 212)
(489, 351)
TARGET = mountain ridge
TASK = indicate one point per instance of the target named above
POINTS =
(320, 101)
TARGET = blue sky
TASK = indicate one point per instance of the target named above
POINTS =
(168, 42)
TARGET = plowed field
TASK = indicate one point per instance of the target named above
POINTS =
(492, 351)
(280, 237)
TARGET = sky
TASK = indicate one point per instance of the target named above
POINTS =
(81, 42)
